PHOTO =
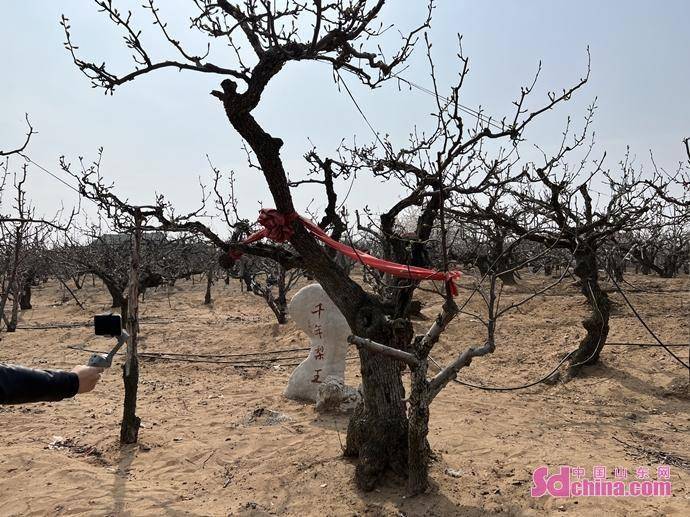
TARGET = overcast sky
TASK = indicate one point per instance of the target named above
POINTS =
(157, 131)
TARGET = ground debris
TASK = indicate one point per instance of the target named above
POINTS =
(264, 416)
(657, 456)
(71, 445)
(453, 472)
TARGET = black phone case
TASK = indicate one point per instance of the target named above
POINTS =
(107, 324)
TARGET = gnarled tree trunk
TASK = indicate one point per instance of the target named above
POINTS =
(377, 433)
(378, 430)
(597, 323)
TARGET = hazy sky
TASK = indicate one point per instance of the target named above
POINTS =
(157, 131)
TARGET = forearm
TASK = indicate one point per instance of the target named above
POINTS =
(19, 385)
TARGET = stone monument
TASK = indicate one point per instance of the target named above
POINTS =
(313, 312)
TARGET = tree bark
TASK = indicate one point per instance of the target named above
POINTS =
(78, 282)
(597, 324)
(209, 283)
(12, 277)
(25, 295)
(115, 294)
(129, 429)
(378, 430)
(615, 265)
(245, 277)
(14, 315)
(509, 278)
(281, 301)
(670, 266)
(124, 312)
(418, 446)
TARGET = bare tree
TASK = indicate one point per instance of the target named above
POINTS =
(665, 183)
(663, 247)
(558, 209)
(23, 238)
(132, 220)
(272, 282)
(379, 432)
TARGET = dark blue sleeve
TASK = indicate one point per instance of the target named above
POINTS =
(19, 385)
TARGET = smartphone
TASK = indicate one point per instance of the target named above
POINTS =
(107, 324)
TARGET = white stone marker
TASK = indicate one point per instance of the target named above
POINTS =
(313, 312)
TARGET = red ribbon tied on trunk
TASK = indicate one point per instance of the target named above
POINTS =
(278, 228)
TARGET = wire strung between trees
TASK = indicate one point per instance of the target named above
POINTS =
(644, 324)
(361, 112)
(558, 366)
(246, 354)
(546, 377)
(208, 359)
(191, 354)
(256, 363)
(465, 109)
(244, 360)
(646, 345)
(511, 388)
(50, 173)
(154, 321)
(234, 364)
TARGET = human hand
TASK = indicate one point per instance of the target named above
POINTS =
(88, 377)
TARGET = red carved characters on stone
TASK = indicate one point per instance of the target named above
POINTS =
(318, 309)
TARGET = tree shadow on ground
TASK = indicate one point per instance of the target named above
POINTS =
(390, 497)
(127, 454)
(124, 462)
(667, 397)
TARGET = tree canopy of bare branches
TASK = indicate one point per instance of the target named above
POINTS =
(463, 171)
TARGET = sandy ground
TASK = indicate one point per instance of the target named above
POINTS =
(207, 448)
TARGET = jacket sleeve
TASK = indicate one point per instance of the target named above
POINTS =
(19, 385)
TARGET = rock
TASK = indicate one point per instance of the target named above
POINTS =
(334, 396)
(262, 416)
(454, 473)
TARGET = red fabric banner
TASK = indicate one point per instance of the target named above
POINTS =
(278, 228)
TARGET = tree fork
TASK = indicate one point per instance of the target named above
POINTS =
(377, 432)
